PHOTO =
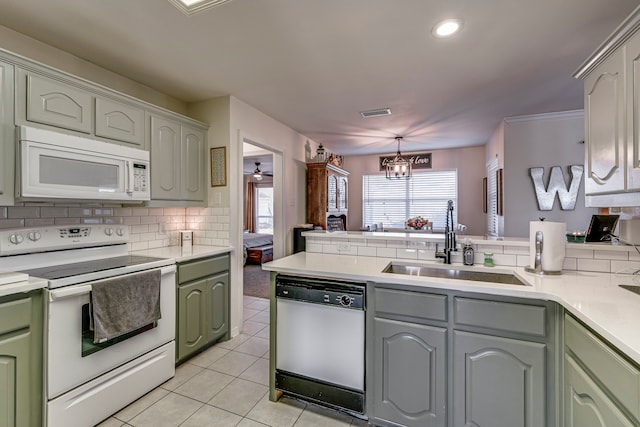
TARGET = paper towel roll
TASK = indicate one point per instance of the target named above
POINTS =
(553, 244)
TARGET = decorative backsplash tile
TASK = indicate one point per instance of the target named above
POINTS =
(148, 227)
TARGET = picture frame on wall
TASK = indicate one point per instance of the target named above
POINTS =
(500, 192)
(485, 189)
(218, 161)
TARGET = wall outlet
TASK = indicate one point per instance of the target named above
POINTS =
(344, 247)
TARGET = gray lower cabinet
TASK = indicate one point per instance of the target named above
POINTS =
(601, 387)
(450, 358)
(202, 304)
(410, 365)
(497, 381)
(21, 323)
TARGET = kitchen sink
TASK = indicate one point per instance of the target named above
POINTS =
(453, 273)
(632, 288)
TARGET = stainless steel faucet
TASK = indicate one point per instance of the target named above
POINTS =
(449, 237)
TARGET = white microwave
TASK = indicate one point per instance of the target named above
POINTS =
(54, 166)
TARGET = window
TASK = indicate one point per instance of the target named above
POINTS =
(264, 209)
(493, 225)
(392, 202)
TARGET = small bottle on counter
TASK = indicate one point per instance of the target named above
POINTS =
(488, 259)
(468, 254)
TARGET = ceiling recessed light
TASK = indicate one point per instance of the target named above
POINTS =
(189, 7)
(447, 28)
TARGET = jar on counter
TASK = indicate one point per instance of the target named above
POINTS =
(488, 259)
(468, 254)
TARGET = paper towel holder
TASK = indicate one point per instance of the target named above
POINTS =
(538, 257)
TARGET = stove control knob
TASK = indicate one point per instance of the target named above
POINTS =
(16, 239)
(120, 232)
(108, 231)
(34, 236)
(345, 300)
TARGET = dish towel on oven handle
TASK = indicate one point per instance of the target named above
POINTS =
(124, 304)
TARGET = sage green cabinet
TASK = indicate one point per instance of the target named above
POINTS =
(202, 304)
(120, 122)
(178, 159)
(21, 323)
(601, 387)
(7, 135)
(612, 113)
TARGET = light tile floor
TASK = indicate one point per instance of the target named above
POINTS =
(227, 385)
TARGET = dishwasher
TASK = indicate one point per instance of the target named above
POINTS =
(320, 338)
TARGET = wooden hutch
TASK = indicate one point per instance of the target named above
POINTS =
(327, 196)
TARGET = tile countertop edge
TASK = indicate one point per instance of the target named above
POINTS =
(594, 298)
(182, 254)
(25, 286)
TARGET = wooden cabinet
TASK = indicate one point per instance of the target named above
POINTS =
(7, 135)
(203, 304)
(601, 387)
(448, 358)
(327, 187)
(178, 159)
(21, 323)
(612, 118)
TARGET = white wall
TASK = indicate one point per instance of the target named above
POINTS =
(543, 140)
(471, 169)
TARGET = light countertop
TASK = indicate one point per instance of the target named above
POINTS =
(594, 298)
(21, 284)
(182, 254)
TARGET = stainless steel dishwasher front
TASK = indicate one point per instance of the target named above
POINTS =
(320, 337)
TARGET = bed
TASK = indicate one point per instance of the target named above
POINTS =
(258, 247)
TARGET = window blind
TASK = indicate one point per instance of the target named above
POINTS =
(492, 199)
(392, 202)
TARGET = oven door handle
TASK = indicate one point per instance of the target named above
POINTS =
(71, 291)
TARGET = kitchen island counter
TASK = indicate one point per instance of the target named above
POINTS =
(594, 298)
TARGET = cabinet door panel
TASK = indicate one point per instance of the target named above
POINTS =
(165, 159)
(586, 405)
(410, 373)
(14, 379)
(218, 287)
(192, 164)
(192, 318)
(605, 133)
(119, 121)
(54, 103)
(498, 381)
(7, 136)
(633, 138)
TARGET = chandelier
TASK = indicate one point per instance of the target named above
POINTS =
(399, 167)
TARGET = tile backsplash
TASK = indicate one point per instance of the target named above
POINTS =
(149, 227)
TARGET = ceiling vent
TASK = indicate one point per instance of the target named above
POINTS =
(376, 113)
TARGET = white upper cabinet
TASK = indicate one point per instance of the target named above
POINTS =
(612, 118)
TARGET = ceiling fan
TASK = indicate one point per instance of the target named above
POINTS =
(257, 174)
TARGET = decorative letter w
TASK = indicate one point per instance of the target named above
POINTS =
(557, 185)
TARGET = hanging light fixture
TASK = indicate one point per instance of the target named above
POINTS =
(257, 174)
(399, 167)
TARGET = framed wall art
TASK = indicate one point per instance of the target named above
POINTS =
(218, 166)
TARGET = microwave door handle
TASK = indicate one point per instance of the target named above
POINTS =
(129, 188)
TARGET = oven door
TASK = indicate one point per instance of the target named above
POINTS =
(72, 359)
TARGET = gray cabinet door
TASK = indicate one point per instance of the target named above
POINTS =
(120, 122)
(497, 382)
(633, 118)
(7, 134)
(409, 374)
(604, 102)
(192, 318)
(54, 103)
(218, 296)
(586, 405)
(165, 159)
(192, 164)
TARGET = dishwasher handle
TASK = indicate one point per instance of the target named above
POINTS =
(351, 297)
